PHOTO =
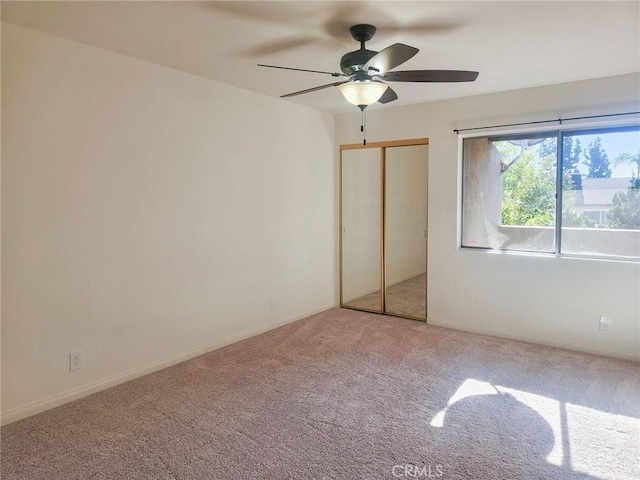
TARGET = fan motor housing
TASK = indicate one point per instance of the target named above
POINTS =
(353, 62)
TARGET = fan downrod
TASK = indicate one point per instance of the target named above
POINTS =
(352, 62)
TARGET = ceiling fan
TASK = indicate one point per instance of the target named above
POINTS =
(366, 71)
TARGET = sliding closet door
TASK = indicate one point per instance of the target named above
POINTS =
(406, 230)
(383, 227)
(361, 229)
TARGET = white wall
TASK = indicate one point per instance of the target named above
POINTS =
(556, 301)
(147, 216)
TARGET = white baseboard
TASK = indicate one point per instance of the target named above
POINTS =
(438, 322)
(39, 406)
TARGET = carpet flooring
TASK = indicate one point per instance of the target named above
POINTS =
(349, 395)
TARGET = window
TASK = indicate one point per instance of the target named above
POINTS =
(518, 196)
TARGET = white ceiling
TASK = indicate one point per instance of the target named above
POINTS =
(513, 44)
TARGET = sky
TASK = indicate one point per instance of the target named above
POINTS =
(614, 144)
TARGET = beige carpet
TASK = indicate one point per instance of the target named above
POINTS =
(349, 395)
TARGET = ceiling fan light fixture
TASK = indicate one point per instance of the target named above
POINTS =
(362, 93)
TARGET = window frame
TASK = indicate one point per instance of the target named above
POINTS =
(535, 132)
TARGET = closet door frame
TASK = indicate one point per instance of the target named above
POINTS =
(382, 146)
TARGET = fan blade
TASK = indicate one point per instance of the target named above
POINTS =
(389, 58)
(334, 74)
(431, 76)
(309, 90)
(388, 96)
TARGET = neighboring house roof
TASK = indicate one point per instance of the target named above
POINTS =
(600, 191)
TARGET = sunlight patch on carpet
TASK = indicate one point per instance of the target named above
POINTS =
(585, 439)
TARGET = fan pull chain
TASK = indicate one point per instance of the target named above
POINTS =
(363, 126)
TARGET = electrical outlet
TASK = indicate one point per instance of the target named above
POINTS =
(272, 304)
(605, 323)
(75, 360)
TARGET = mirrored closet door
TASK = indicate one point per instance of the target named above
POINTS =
(384, 227)
(362, 229)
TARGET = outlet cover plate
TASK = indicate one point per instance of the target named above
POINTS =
(75, 360)
(605, 323)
